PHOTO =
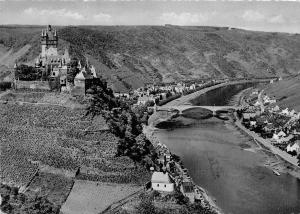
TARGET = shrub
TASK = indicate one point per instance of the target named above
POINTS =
(146, 205)
(5, 85)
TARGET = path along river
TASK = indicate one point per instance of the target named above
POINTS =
(214, 153)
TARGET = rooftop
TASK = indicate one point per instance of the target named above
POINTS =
(160, 177)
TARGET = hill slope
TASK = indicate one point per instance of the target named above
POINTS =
(286, 92)
(129, 56)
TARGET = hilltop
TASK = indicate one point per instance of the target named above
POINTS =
(130, 56)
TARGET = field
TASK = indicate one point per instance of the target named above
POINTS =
(92, 197)
(45, 146)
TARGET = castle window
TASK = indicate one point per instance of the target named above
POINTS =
(53, 73)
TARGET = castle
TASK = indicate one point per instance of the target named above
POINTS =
(55, 68)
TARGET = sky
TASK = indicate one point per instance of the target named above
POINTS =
(267, 15)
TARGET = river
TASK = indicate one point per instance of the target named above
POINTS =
(213, 151)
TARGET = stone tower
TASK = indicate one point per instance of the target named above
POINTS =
(49, 41)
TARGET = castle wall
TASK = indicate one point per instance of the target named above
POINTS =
(41, 85)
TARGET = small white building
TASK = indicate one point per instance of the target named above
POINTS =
(285, 112)
(276, 108)
(281, 134)
(294, 147)
(162, 182)
(257, 103)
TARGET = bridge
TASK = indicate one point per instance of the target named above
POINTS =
(182, 108)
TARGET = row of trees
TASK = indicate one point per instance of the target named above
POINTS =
(125, 123)
(28, 73)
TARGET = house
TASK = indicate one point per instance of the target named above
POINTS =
(249, 115)
(286, 139)
(161, 181)
(294, 147)
(281, 134)
(292, 112)
(252, 123)
(257, 103)
(276, 108)
(285, 111)
(269, 128)
(84, 80)
(142, 100)
(277, 136)
(187, 189)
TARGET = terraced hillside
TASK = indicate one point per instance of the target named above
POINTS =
(45, 146)
(130, 56)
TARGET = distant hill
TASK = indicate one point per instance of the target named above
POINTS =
(130, 56)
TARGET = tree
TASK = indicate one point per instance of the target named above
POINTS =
(146, 205)
(28, 73)
(123, 122)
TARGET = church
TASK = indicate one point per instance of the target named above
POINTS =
(55, 67)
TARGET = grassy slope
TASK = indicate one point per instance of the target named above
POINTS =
(129, 56)
(287, 91)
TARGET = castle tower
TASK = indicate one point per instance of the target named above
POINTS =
(49, 41)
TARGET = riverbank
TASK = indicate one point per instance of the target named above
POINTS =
(283, 167)
(149, 131)
(187, 98)
(284, 164)
(231, 166)
(207, 200)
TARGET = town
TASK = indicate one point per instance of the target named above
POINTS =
(279, 127)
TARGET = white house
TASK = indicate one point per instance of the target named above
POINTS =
(277, 136)
(294, 147)
(252, 123)
(162, 182)
(281, 134)
(285, 111)
(276, 108)
(292, 112)
(257, 103)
